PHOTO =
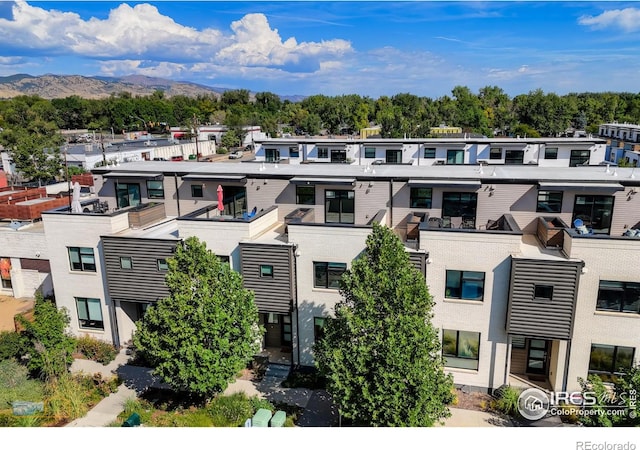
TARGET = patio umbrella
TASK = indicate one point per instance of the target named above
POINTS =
(75, 203)
(220, 203)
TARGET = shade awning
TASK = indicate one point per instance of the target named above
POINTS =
(579, 186)
(132, 175)
(469, 184)
(212, 177)
(301, 180)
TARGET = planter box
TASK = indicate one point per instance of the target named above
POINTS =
(550, 231)
(145, 214)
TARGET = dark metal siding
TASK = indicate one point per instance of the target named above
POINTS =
(275, 294)
(144, 282)
(419, 260)
(528, 316)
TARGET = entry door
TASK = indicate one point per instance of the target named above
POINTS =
(272, 327)
(537, 357)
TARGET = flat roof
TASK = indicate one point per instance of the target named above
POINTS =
(428, 141)
(488, 175)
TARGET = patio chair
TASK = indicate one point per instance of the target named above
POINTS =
(435, 222)
(456, 222)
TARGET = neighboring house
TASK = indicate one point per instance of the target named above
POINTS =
(519, 290)
(544, 152)
(623, 143)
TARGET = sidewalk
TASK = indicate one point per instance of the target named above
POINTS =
(470, 418)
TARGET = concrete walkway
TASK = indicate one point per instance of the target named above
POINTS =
(471, 418)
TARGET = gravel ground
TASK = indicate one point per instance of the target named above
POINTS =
(9, 307)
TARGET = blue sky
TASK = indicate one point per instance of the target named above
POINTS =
(333, 48)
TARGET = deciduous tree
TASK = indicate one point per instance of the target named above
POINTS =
(381, 354)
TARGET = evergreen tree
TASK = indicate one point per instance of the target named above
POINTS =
(206, 331)
(380, 354)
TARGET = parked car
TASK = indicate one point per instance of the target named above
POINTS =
(236, 155)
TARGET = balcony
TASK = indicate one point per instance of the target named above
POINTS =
(550, 231)
(146, 213)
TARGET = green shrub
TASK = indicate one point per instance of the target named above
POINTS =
(16, 385)
(12, 345)
(231, 410)
(309, 379)
(66, 398)
(507, 401)
(95, 349)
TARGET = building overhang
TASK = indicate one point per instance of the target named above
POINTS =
(580, 186)
(149, 176)
(461, 184)
(219, 178)
(332, 181)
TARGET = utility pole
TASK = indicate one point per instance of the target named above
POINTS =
(194, 127)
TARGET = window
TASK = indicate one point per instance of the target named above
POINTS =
(369, 152)
(223, 258)
(429, 153)
(339, 206)
(163, 266)
(294, 152)
(549, 201)
(323, 152)
(82, 259)
(338, 156)
(465, 285)
(393, 157)
(551, 153)
(197, 191)
(461, 349)
(420, 198)
(272, 155)
(579, 157)
(455, 156)
(327, 274)
(460, 204)
(318, 328)
(495, 153)
(155, 189)
(619, 296)
(514, 157)
(126, 262)
(305, 195)
(608, 361)
(266, 271)
(543, 292)
(89, 313)
(127, 194)
(273, 318)
(595, 211)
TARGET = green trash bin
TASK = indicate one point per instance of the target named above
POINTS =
(261, 418)
(192, 157)
(278, 419)
(132, 421)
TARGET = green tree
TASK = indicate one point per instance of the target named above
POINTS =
(381, 354)
(51, 348)
(206, 331)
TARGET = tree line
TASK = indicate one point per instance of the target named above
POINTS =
(490, 111)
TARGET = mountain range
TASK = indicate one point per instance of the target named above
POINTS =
(60, 86)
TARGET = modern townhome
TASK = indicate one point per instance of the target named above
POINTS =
(544, 152)
(532, 269)
(623, 142)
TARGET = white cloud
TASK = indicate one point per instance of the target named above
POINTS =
(512, 74)
(627, 19)
(141, 32)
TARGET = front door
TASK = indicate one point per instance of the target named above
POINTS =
(537, 357)
(272, 330)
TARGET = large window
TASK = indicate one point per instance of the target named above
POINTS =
(495, 153)
(461, 349)
(327, 274)
(155, 189)
(619, 296)
(318, 328)
(305, 195)
(393, 157)
(339, 206)
(82, 259)
(429, 153)
(595, 211)
(127, 194)
(339, 156)
(89, 313)
(455, 156)
(294, 152)
(514, 157)
(272, 155)
(608, 361)
(464, 285)
(420, 198)
(369, 152)
(579, 157)
(551, 153)
(460, 204)
(549, 201)
(323, 152)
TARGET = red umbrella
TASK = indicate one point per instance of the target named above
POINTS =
(220, 204)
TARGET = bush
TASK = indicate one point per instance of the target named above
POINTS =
(231, 410)
(305, 378)
(16, 385)
(96, 350)
(12, 345)
(507, 401)
(65, 398)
